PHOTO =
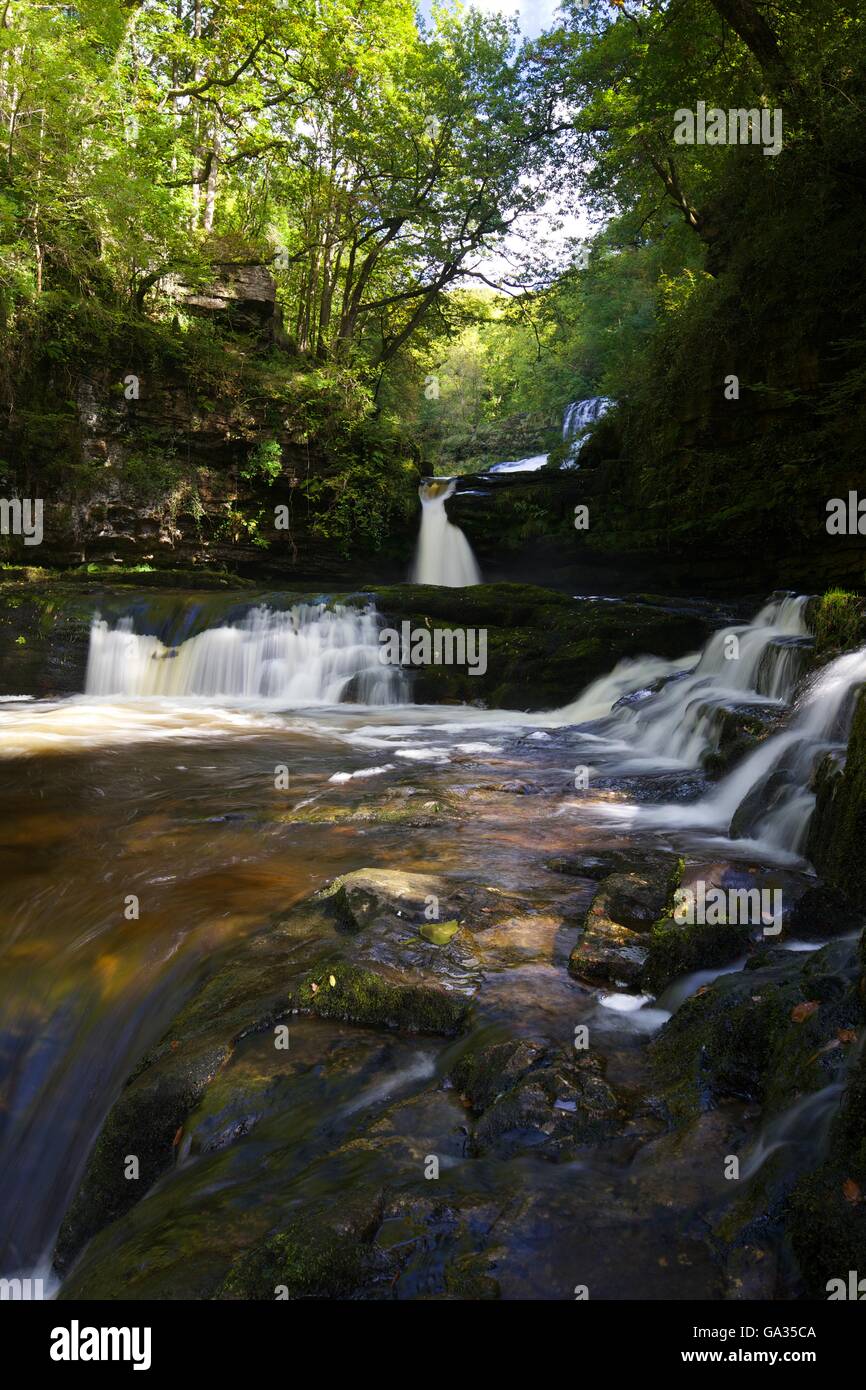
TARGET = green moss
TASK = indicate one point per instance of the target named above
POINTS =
(468, 1277)
(677, 950)
(837, 832)
(347, 992)
(305, 1261)
(839, 620)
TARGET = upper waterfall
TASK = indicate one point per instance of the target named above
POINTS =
(577, 419)
(444, 555)
(311, 654)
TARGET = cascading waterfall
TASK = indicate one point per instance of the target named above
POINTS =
(308, 655)
(444, 555)
(577, 420)
(769, 797)
(754, 664)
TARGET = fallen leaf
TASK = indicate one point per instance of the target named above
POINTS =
(851, 1191)
(801, 1012)
(332, 980)
(176, 1140)
(314, 987)
(847, 1035)
(704, 989)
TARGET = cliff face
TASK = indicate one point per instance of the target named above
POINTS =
(147, 452)
(727, 493)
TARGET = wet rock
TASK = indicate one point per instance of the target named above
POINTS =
(679, 948)
(323, 1253)
(599, 866)
(254, 986)
(483, 1076)
(837, 832)
(531, 1098)
(823, 911)
(765, 1034)
(739, 729)
(614, 945)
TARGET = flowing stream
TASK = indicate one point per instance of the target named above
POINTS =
(160, 781)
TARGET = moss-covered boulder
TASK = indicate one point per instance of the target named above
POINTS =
(765, 1034)
(837, 831)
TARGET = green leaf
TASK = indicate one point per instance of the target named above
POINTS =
(440, 933)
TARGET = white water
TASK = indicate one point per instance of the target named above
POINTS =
(646, 714)
(307, 655)
(444, 555)
(576, 421)
(777, 776)
(628, 677)
(753, 664)
(527, 465)
(578, 418)
(767, 799)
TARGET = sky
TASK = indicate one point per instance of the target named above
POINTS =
(534, 16)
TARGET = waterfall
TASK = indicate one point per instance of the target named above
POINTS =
(577, 419)
(444, 555)
(311, 654)
(630, 677)
(678, 717)
(753, 664)
(527, 465)
(769, 796)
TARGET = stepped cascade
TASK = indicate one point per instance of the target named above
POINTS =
(311, 654)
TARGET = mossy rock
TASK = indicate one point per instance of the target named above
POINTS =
(745, 1037)
(676, 949)
(253, 987)
(322, 1254)
(837, 832)
(619, 923)
(338, 990)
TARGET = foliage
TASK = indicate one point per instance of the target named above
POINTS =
(265, 462)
